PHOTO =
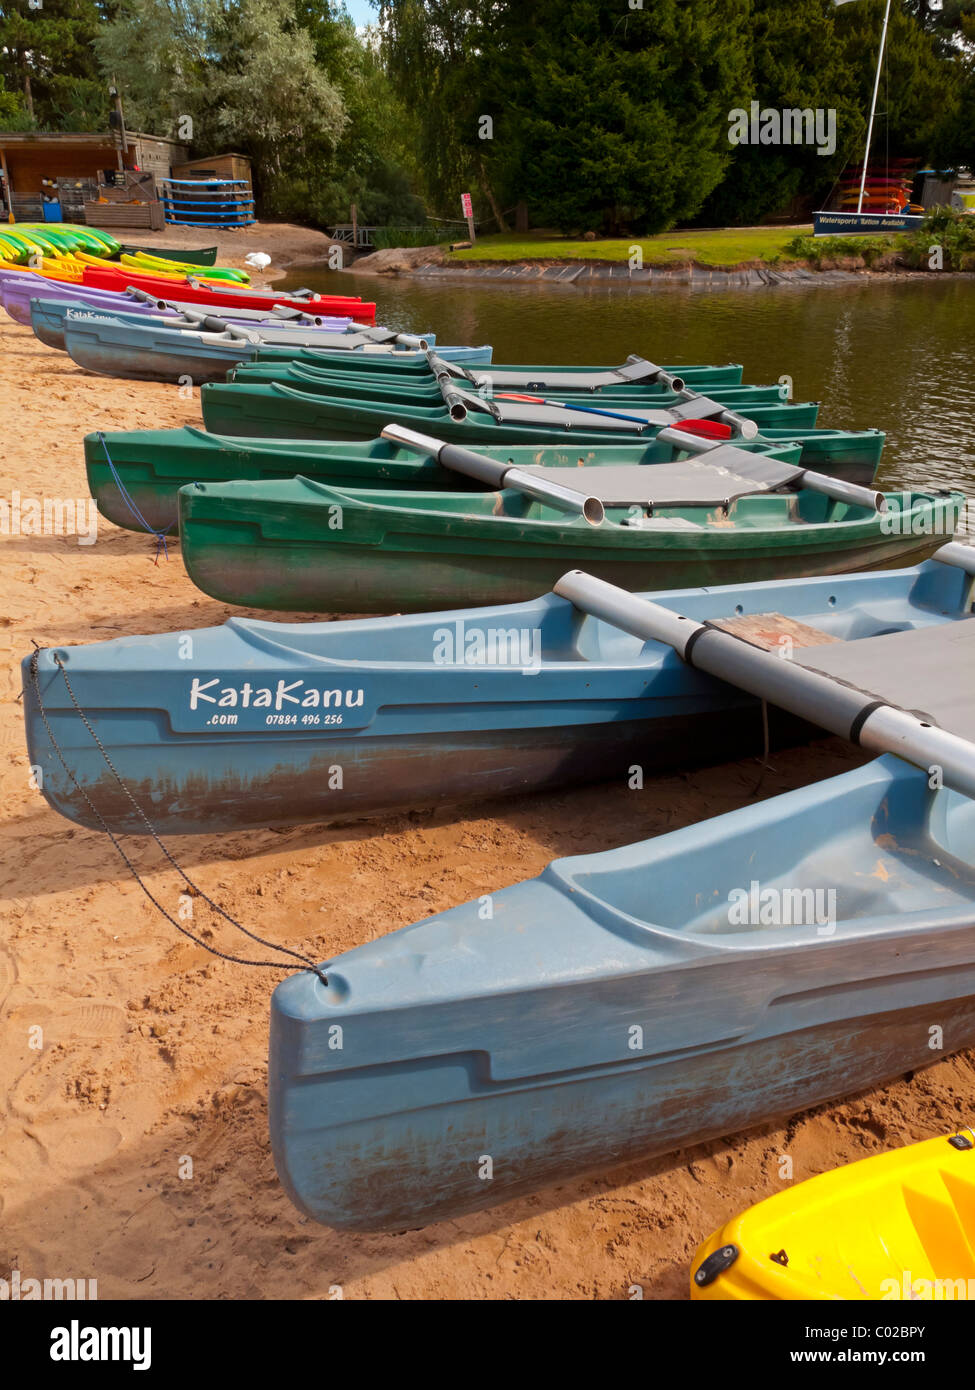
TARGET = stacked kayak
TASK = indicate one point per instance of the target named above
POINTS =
(18, 290)
(899, 1225)
(723, 515)
(23, 242)
(440, 708)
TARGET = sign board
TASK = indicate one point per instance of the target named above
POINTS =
(468, 209)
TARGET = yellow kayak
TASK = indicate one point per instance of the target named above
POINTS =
(900, 1225)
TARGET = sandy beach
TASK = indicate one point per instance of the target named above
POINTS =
(151, 1052)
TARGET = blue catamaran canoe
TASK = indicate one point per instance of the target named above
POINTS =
(630, 1003)
(277, 723)
(155, 353)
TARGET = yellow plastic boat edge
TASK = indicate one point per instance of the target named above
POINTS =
(899, 1225)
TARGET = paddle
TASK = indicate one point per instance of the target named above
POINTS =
(747, 429)
(564, 405)
(497, 475)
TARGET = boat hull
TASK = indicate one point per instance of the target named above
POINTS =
(302, 547)
(220, 785)
(393, 1175)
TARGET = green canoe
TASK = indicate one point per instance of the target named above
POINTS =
(626, 382)
(308, 413)
(135, 475)
(698, 375)
(300, 545)
(388, 387)
(277, 411)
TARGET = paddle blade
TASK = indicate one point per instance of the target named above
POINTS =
(709, 429)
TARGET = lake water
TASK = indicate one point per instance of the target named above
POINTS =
(898, 356)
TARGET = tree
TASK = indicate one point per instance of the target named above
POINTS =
(243, 73)
(372, 163)
(430, 52)
(917, 89)
(46, 54)
(595, 113)
(13, 116)
(619, 120)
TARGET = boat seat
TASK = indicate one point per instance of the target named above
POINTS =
(710, 480)
(928, 670)
(767, 630)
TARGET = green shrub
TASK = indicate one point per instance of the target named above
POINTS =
(387, 237)
(953, 231)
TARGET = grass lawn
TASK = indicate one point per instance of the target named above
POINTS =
(720, 246)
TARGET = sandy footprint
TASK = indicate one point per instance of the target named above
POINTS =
(78, 1143)
(93, 1019)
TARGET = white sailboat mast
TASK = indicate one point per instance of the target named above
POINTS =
(873, 108)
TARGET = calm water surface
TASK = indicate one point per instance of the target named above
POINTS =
(896, 356)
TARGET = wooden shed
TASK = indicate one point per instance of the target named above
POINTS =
(216, 166)
(76, 163)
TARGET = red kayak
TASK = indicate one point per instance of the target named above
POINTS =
(103, 278)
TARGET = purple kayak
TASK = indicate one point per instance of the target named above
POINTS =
(18, 288)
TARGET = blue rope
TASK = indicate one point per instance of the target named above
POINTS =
(130, 503)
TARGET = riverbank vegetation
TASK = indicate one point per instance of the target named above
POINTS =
(945, 236)
(723, 246)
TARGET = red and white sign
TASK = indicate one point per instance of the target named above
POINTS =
(466, 205)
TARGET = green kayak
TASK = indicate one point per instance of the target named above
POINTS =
(135, 475)
(300, 545)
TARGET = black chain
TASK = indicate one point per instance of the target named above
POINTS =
(236, 960)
